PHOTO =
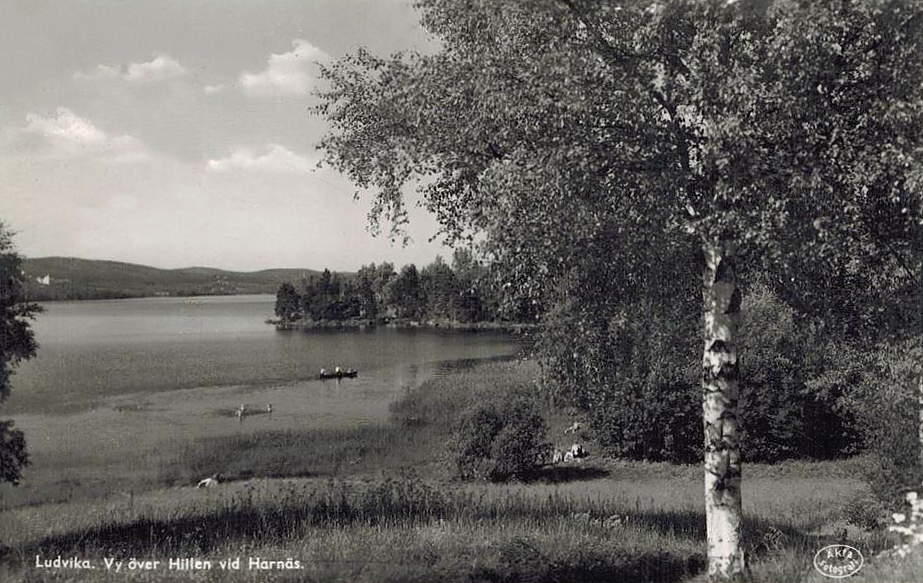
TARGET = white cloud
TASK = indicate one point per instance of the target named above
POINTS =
(172, 213)
(212, 89)
(67, 135)
(100, 72)
(159, 68)
(286, 74)
(275, 160)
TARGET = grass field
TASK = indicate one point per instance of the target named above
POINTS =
(379, 504)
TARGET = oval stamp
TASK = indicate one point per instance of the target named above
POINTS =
(838, 561)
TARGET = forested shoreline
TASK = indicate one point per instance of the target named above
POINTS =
(460, 295)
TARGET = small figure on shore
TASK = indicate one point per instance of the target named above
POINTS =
(269, 410)
(209, 482)
(578, 452)
(574, 428)
(241, 411)
(557, 456)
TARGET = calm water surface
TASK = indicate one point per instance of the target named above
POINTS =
(93, 351)
(118, 385)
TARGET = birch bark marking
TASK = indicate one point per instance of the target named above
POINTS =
(920, 428)
(720, 391)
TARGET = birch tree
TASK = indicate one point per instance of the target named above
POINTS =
(785, 130)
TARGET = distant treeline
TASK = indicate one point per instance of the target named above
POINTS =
(458, 293)
(72, 278)
(65, 292)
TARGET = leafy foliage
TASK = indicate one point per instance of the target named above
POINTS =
(13, 454)
(885, 403)
(635, 373)
(555, 128)
(17, 344)
(440, 288)
(460, 293)
(595, 145)
(500, 439)
(656, 420)
(774, 412)
(407, 293)
(288, 303)
(550, 124)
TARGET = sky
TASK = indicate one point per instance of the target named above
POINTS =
(177, 133)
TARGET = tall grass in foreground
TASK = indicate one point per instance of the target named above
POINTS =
(392, 528)
(402, 529)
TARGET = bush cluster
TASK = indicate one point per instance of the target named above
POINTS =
(885, 401)
(653, 411)
(776, 410)
(636, 374)
(500, 439)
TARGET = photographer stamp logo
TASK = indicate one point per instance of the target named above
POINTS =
(838, 561)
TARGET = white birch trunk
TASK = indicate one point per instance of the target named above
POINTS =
(720, 388)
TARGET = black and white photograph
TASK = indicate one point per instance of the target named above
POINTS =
(461, 291)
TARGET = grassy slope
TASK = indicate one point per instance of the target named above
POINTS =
(604, 520)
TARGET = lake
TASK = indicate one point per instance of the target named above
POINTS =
(93, 350)
(117, 381)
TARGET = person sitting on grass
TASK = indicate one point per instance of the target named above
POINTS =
(209, 482)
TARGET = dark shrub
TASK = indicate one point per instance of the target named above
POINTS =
(773, 403)
(885, 403)
(639, 381)
(650, 408)
(500, 439)
(834, 369)
(657, 421)
(474, 439)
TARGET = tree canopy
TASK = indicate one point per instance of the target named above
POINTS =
(561, 127)
(17, 344)
(438, 293)
(589, 143)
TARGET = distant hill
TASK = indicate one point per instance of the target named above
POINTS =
(71, 278)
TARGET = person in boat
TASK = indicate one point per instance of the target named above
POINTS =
(339, 371)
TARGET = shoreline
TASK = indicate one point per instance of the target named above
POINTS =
(71, 449)
(402, 324)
